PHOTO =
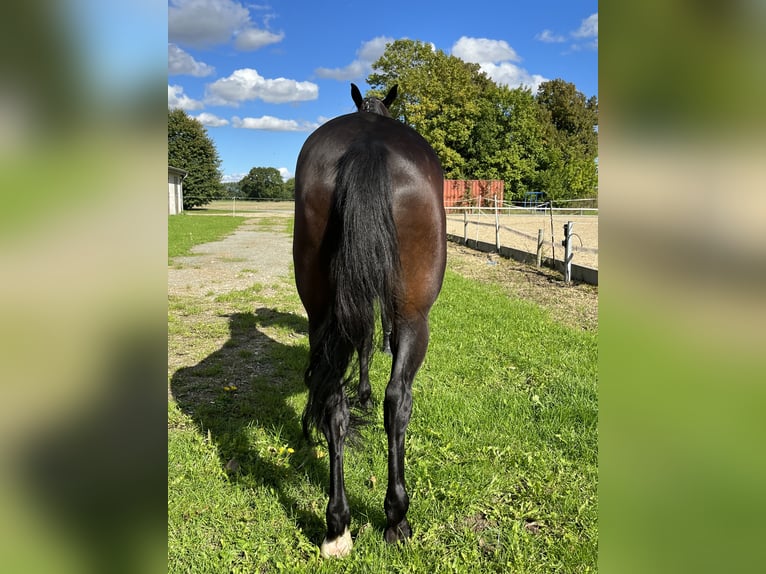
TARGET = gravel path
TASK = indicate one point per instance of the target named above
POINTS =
(259, 251)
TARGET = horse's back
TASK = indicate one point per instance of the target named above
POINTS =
(417, 198)
(414, 166)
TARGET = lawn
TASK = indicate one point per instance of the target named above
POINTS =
(501, 450)
(185, 231)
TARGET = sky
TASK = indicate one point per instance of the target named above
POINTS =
(262, 76)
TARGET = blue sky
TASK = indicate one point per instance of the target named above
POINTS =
(262, 76)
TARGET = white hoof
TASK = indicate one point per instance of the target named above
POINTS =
(337, 548)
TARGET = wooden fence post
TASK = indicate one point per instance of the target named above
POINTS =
(540, 242)
(465, 226)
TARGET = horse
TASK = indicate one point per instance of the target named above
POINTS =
(369, 232)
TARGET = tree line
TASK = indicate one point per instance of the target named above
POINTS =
(261, 183)
(544, 142)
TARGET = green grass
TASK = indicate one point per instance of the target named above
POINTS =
(185, 231)
(501, 450)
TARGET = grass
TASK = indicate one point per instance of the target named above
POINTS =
(185, 231)
(501, 450)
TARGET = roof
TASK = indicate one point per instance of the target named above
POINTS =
(177, 170)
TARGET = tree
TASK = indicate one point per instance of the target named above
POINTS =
(231, 189)
(290, 188)
(190, 149)
(571, 115)
(440, 97)
(506, 142)
(263, 183)
(480, 130)
(569, 168)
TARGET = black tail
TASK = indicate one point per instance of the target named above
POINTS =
(364, 268)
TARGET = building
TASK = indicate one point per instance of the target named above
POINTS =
(175, 190)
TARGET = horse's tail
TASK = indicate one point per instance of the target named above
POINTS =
(364, 268)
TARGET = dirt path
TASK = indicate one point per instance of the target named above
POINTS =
(259, 251)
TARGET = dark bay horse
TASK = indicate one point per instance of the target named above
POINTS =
(369, 232)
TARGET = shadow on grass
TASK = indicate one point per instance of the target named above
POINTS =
(266, 373)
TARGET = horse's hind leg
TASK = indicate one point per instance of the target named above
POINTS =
(337, 542)
(385, 323)
(364, 394)
(410, 344)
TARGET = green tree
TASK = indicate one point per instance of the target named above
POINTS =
(231, 189)
(570, 121)
(190, 149)
(506, 141)
(290, 188)
(440, 97)
(263, 183)
(572, 116)
(480, 130)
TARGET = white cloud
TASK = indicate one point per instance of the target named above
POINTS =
(480, 50)
(247, 84)
(366, 55)
(270, 123)
(494, 58)
(205, 23)
(584, 38)
(255, 38)
(550, 38)
(211, 120)
(182, 63)
(588, 28)
(285, 173)
(512, 75)
(177, 99)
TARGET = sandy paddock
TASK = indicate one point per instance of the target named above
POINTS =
(520, 232)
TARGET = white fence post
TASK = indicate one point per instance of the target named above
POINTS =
(497, 225)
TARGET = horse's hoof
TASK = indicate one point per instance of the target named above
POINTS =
(400, 533)
(337, 548)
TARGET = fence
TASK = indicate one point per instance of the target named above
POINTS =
(533, 235)
(528, 234)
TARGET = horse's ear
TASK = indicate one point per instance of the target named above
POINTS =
(357, 96)
(391, 96)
